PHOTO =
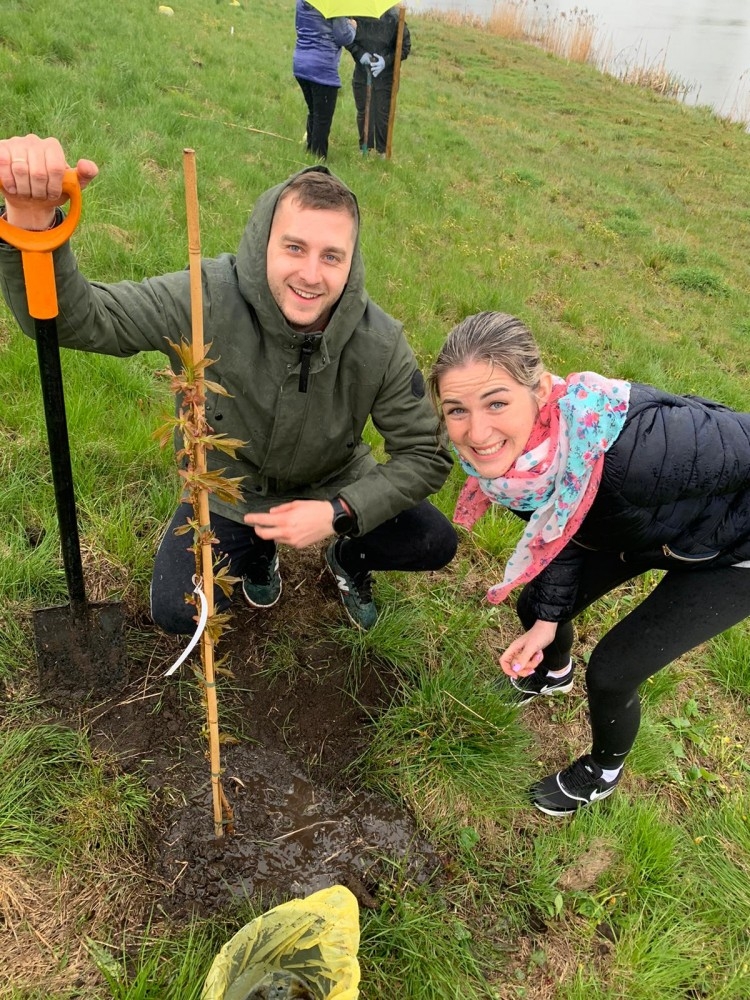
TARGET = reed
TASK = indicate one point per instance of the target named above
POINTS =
(569, 36)
(574, 36)
(509, 20)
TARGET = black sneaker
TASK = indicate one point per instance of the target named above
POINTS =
(538, 685)
(261, 587)
(355, 590)
(576, 786)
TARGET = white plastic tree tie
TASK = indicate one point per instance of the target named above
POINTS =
(198, 632)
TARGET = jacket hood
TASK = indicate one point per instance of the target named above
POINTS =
(253, 282)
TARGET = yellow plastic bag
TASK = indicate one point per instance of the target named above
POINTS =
(305, 949)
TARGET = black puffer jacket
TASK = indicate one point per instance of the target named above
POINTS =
(675, 494)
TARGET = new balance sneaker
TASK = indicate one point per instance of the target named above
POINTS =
(576, 786)
(261, 587)
(355, 590)
(538, 685)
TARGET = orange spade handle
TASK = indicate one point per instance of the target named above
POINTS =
(36, 252)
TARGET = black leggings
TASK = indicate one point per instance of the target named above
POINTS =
(380, 109)
(420, 538)
(686, 608)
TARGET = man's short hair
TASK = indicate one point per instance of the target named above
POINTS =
(319, 190)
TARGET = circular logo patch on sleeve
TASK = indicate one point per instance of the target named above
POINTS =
(417, 384)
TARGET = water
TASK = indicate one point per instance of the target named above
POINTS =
(704, 43)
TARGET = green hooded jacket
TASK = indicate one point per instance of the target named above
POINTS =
(299, 444)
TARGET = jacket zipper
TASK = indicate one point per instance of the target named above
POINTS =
(688, 559)
(305, 355)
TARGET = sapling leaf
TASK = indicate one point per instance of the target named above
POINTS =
(217, 623)
(163, 435)
(214, 387)
(184, 352)
(225, 444)
(225, 488)
(226, 582)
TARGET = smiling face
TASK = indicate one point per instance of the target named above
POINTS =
(308, 260)
(488, 415)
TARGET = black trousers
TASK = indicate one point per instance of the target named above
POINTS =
(380, 107)
(417, 539)
(321, 104)
(686, 608)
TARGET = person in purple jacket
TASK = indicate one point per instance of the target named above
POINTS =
(316, 69)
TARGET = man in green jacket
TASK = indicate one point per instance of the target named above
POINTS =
(305, 357)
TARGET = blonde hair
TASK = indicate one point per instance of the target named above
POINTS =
(498, 338)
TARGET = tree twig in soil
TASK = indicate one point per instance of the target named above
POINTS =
(322, 822)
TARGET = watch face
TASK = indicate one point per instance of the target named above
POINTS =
(342, 523)
(342, 520)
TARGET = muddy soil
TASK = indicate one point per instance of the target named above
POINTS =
(298, 716)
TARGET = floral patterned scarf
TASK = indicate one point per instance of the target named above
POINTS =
(556, 478)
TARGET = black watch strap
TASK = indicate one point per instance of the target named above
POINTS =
(343, 522)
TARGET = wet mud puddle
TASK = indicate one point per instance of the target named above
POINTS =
(291, 837)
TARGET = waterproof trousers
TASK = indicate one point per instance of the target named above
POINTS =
(380, 106)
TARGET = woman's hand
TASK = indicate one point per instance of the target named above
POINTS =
(525, 654)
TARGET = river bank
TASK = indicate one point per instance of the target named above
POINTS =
(699, 55)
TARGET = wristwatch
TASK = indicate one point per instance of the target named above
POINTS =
(343, 521)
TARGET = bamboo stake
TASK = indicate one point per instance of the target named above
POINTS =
(204, 557)
(396, 80)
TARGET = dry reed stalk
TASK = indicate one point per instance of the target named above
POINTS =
(569, 37)
(581, 42)
(551, 37)
(508, 20)
(658, 78)
(455, 19)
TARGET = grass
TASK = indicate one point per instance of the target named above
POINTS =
(728, 660)
(612, 219)
(414, 938)
(58, 803)
(160, 966)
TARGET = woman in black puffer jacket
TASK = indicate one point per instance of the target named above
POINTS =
(613, 479)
